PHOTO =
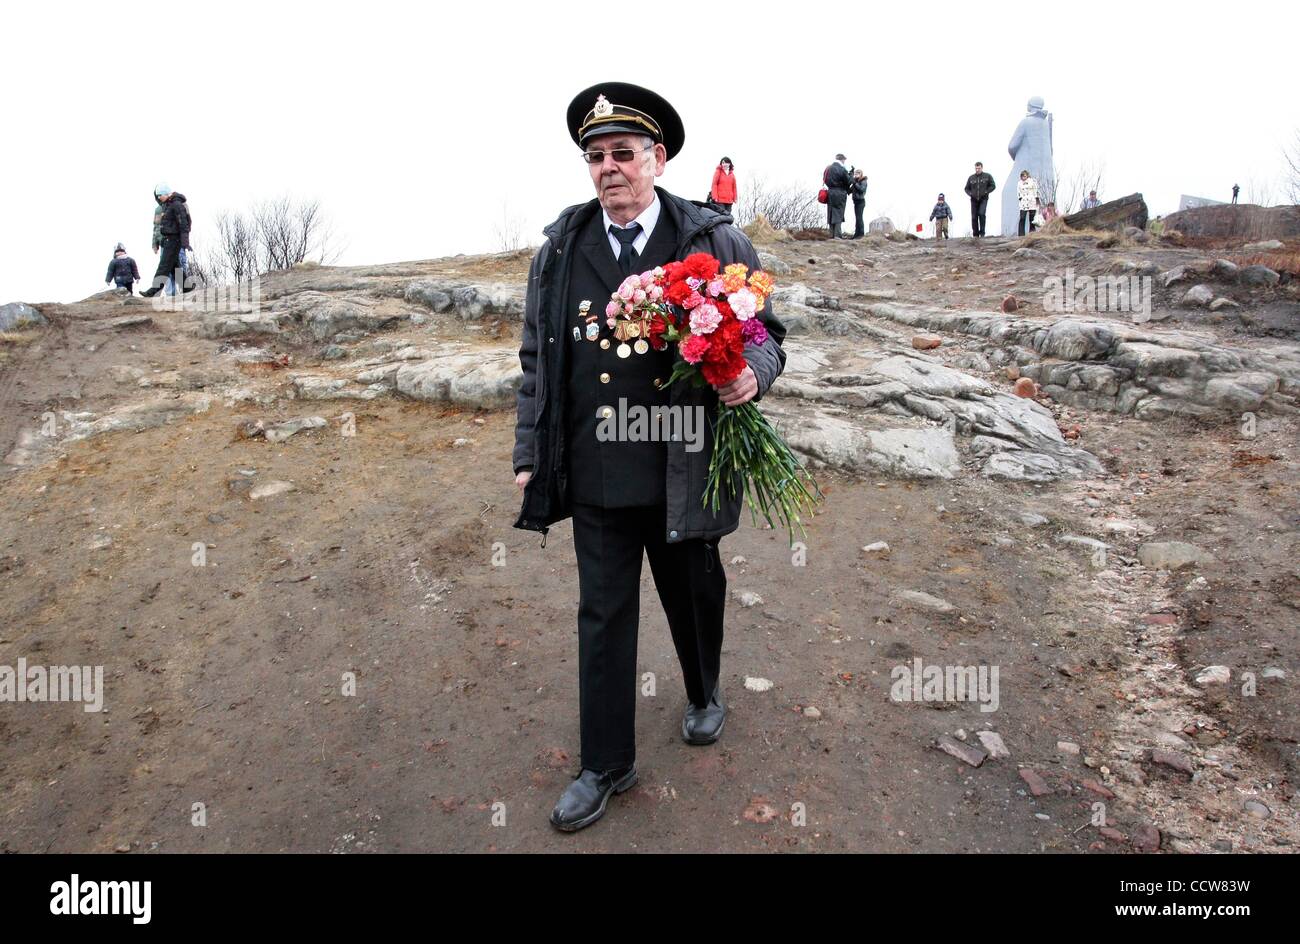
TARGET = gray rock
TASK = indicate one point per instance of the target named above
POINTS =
(471, 302)
(773, 264)
(282, 431)
(993, 743)
(1259, 275)
(966, 753)
(1214, 675)
(1267, 245)
(1197, 296)
(486, 378)
(924, 601)
(16, 316)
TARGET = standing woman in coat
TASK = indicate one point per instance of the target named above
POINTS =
(1027, 194)
(723, 192)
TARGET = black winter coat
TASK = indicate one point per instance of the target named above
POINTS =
(837, 177)
(980, 185)
(540, 426)
(176, 220)
(122, 270)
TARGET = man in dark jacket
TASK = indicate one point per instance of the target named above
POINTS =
(122, 270)
(838, 180)
(627, 498)
(978, 187)
(175, 230)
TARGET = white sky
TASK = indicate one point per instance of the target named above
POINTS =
(421, 127)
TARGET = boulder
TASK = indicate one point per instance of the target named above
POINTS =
(1124, 212)
(16, 316)
(1242, 221)
(1258, 275)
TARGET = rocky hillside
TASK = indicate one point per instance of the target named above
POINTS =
(1103, 503)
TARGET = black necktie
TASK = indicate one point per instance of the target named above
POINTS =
(627, 256)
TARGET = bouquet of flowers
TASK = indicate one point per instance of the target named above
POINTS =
(711, 312)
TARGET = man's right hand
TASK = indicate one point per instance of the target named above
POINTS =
(521, 480)
(155, 250)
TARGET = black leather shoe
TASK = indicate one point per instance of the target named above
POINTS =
(149, 292)
(704, 725)
(583, 801)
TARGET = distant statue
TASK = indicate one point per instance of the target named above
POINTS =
(1031, 150)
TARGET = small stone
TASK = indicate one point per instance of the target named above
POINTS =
(1010, 304)
(1198, 296)
(1221, 303)
(924, 601)
(269, 489)
(1273, 672)
(926, 342)
(1172, 555)
(754, 683)
(1257, 809)
(1043, 816)
(1173, 760)
(877, 547)
(1147, 839)
(1214, 675)
(1068, 747)
(1093, 786)
(1032, 519)
(812, 713)
(738, 559)
(1114, 835)
(1037, 785)
(993, 743)
(747, 598)
(966, 753)
(1025, 387)
(461, 441)
(1011, 371)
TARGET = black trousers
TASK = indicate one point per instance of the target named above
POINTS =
(169, 264)
(978, 208)
(693, 590)
(858, 229)
(1026, 220)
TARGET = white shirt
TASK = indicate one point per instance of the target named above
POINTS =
(648, 218)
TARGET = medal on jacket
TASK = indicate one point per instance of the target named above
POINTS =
(593, 323)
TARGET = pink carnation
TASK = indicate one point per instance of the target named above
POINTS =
(716, 288)
(628, 288)
(693, 300)
(693, 348)
(705, 318)
(647, 279)
(612, 309)
(743, 303)
(754, 331)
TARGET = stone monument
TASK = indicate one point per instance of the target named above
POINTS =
(1031, 150)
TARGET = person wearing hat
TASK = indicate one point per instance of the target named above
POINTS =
(122, 270)
(174, 227)
(941, 214)
(627, 498)
(838, 179)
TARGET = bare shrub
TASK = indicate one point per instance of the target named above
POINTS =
(790, 207)
(272, 236)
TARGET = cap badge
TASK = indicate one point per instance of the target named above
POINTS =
(603, 107)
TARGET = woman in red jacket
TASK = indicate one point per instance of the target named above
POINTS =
(724, 185)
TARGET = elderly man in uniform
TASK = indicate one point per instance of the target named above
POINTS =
(626, 498)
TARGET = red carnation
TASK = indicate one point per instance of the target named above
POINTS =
(700, 265)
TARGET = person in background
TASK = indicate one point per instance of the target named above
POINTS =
(122, 270)
(1091, 202)
(1027, 200)
(1235, 190)
(723, 192)
(838, 179)
(978, 187)
(174, 227)
(1049, 212)
(941, 214)
(858, 189)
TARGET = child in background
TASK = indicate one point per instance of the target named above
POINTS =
(941, 214)
(122, 270)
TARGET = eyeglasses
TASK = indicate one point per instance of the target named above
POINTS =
(621, 155)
